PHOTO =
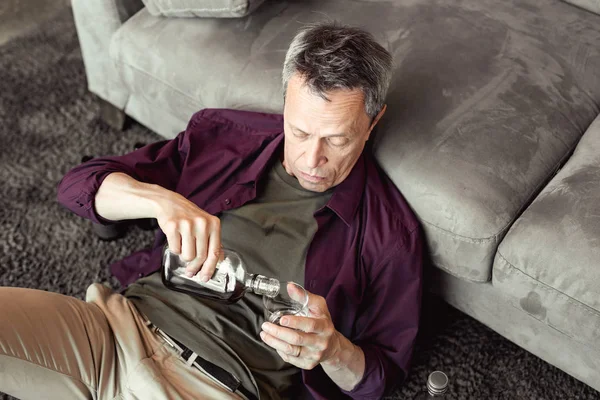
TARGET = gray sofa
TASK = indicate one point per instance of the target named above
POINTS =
(492, 134)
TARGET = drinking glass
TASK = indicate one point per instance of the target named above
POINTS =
(292, 299)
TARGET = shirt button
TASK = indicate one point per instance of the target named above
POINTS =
(140, 275)
(227, 201)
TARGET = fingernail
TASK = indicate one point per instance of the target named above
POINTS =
(265, 326)
(189, 274)
(262, 335)
(204, 278)
(284, 321)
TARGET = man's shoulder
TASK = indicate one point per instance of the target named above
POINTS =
(228, 145)
(223, 121)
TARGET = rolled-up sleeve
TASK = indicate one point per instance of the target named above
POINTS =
(158, 163)
(387, 326)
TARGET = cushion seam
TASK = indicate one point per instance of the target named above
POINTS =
(147, 75)
(453, 273)
(465, 238)
(586, 308)
(551, 326)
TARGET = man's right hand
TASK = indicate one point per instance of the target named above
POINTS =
(191, 232)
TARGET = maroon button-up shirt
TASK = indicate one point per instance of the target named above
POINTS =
(365, 258)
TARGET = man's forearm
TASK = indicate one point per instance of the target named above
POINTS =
(123, 197)
(347, 368)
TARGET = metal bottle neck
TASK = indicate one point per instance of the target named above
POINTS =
(262, 285)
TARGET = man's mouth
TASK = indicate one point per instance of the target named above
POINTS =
(312, 178)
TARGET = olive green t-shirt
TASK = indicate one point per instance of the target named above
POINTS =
(272, 234)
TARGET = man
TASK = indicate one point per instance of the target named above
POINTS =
(300, 199)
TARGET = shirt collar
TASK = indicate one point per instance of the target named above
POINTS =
(346, 196)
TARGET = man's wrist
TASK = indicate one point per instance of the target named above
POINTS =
(156, 196)
(345, 354)
(347, 365)
(340, 354)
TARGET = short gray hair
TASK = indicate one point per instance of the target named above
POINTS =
(329, 56)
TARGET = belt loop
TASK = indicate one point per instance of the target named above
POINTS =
(192, 359)
(145, 319)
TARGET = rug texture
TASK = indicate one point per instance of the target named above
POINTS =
(48, 121)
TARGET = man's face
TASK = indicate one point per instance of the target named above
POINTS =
(323, 139)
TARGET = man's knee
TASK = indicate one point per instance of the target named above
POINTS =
(97, 292)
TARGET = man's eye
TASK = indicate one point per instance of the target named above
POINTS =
(300, 135)
(337, 141)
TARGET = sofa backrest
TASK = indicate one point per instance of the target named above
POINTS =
(487, 101)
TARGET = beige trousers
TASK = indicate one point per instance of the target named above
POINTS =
(58, 347)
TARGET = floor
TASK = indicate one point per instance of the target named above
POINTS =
(17, 17)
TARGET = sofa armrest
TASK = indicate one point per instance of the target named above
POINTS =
(96, 22)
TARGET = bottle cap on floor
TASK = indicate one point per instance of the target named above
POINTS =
(437, 383)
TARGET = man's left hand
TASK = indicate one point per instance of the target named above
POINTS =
(305, 341)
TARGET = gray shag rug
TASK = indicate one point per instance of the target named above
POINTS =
(48, 121)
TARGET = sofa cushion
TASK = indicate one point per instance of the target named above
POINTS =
(549, 262)
(488, 99)
(201, 8)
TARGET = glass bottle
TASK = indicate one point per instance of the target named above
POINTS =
(228, 284)
(437, 385)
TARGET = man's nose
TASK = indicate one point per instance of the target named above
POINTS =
(315, 156)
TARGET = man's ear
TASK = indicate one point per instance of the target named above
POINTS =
(376, 120)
